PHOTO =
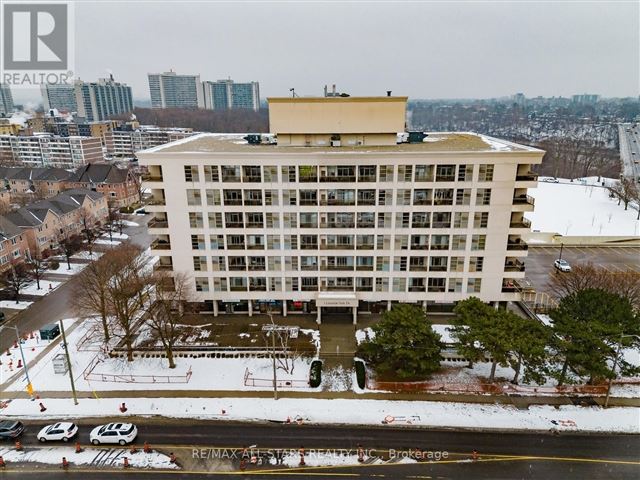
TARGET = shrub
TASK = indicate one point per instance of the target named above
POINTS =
(315, 374)
(361, 374)
(54, 265)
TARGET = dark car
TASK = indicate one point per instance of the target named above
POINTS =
(10, 429)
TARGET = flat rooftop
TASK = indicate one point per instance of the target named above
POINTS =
(433, 143)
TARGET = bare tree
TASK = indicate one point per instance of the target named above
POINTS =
(127, 291)
(583, 276)
(625, 190)
(112, 220)
(91, 291)
(136, 179)
(88, 229)
(16, 278)
(37, 265)
(166, 314)
(70, 244)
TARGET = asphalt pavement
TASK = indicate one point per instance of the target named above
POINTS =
(501, 455)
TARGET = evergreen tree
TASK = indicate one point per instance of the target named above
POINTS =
(404, 344)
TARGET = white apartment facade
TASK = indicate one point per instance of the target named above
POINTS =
(170, 90)
(330, 214)
(50, 150)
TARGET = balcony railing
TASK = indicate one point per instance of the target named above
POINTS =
(524, 223)
(438, 268)
(364, 288)
(255, 247)
(230, 178)
(524, 200)
(336, 267)
(256, 268)
(236, 246)
(147, 177)
(309, 203)
(366, 178)
(158, 201)
(338, 246)
(308, 178)
(366, 224)
(337, 288)
(445, 178)
(255, 224)
(416, 246)
(313, 268)
(441, 224)
(253, 202)
(364, 268)
(309, 288)
(309, 246)
(308, 224)
(337, 201)
(232, 202)
(514, 267)
(422, 201)
(234, 225)
(365, 246)
(366, 201)
(418, 268)
(338, 224)
(527, 177)
(417, 288)
(163, 268)
(348, 178)
(237, 268)
(238, 288)
(517, 246)
(160, 245)
(158, 223)
(257, 288)
(420, 225)
(252, 179)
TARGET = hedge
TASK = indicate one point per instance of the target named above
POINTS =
(315, 374)
(361, 374)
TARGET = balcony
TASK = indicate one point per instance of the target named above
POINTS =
(155, 223)
(509, 285)
(338, 246)
(366, 201)
(338, 225)
(238, 288)
(159, 267)
(417, 246)
(527, 177)
(232, 202)
(334, 268)
(522, 223)
(308, 246)
(253, 202)
(309, 288)
(524, 200)
(160, 245)
(445, 178)
(308, 178)
(513, 266)
(255, 246)
(234, 224)
(237, 268)
(308, 224)
(337, 288)
(439, 247)
(339, 202)
(255, 224)
(251, 179)
(364, 246)
(441, 224)
(148, 177)
(420, 225)
(236, 246)
(364, 268)
(257, 268)
(309, 202)
(309, 268)
(366, 178)
(366, 224)
(347, 179)
(517, 246)
(364, 288)
(158, 201)
(417, 288)
(257, 288)
(438, 268)
(418, 268)
(422, 201)
(423, 178)
(230, 178)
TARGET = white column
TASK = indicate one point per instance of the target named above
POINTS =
(215, 308)
(319, 318)
(284, 308)
(496, 305)
(250, 304)
(424, 305)
(388, 305)
(355, 315)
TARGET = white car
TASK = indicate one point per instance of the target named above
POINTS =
(551, 180)
(121, 433)
(562, 265)
(64, 431)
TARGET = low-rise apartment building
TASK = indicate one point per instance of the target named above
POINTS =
(50, 151)
(118, 185)
(44, 222)
(126, 143)
(338, 212)
(13, 244)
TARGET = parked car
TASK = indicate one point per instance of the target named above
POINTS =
(551, 180)
(120, 433)
(10, 429)
(562, 265)
(64, 431)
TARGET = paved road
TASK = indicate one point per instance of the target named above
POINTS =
(629, 135)
(539, 263)
(503, 455)
(56, 305)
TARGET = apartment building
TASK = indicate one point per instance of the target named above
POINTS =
(117, 184)
(44, 222)
(25, 184)
(13, 244)
(226, 95)
(126, 143)
(336, 212)
(93, 101)
(50, 150)
(6, 100)
(170, 90)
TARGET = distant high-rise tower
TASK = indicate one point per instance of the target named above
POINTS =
(6, 100)
(225, 94)
(94, 101)
(170, 90)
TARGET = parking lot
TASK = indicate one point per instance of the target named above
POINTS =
(539, 263)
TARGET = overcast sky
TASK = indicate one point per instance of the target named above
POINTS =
(420, 49)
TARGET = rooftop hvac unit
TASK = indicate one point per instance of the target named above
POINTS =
(416, 137)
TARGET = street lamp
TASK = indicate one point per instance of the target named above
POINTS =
(615, 364)
(561, 247)
(24, 361)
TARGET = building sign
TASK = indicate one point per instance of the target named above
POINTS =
(336, 302)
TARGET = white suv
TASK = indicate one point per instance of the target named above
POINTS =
(121, 433)
(64, 431)
(562, 265)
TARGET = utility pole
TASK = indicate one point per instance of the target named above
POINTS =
(24, 361)
(66, 351)
(561, 247)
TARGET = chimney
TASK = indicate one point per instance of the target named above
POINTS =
(334, 89)
(388, 93)
(325, 90)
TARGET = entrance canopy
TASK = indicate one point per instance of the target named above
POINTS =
(337, 299)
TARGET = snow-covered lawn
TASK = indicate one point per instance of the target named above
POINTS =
(31, 348)
(341, 411)
(103, 241)
(63, 269)
(580, 209)
(104, 457)
(46, 287)
(129, 223)
(13, 305)
(84, 255)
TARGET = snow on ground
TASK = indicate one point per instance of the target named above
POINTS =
(364, 334)
(580, 210)
(46, 287)
(129, 223)
(206, 373)
(342, 411)
(11, 304)
(444, 332)
(104, 456)
(63, 269)
(84, 255)
(102, 241)
(116, 235)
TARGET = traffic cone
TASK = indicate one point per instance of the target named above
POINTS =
(42, 407)
(301, 452)
(78, 448)
(65, 462)
(126, 462)
(147, 448)
(15, 344)
(2, 463)
(360, 454)
(123, 408)
(172, 457)
(133, 450)
(19, 363)
(31, 335)
(474, 455)
(18, 446)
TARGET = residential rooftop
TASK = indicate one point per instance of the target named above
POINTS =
(435, 142)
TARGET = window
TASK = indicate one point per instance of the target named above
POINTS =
(197, 242)
(421, 220)
(384, 220)
(290, 220)
(271, 197)
(458, 242)
(253, 197)
(474, 285)
(441, 220)
(402, 220)
(475, 264)
(405, 173)
(220, 284)
(191, 173)
(478, 242)
(485, 173)
(456, 264)
(202, 284)
(288, 174)
(445, 173)
(424, 173)
(465, 173)
(480, 219)
(195, 220)
(200, 264)
(273, 242)
(289, 197)
(211, 173)
(386, 173)
(382, 284)
(438, 264)
(235, 242)
(404, 196)
(216, 242)
(436, 284)
(382, 264)
(443, 196)
(366, 197)
(422, 197)
(273, 220)
(367, 173)
(399, 284)
(193, 197)
(251, 174)
(460, 220)
(309, 197)
(463, 196)
(233, 220)
(483, 196)
(439, 242)
(230, 173)
(271, 174)
(385, 197)
(213, 197)
(215, 219)
(455, 285)
(308, 173)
